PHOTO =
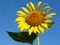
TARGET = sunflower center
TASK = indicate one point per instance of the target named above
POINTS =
(34, 19)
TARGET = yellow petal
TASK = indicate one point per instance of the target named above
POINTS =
(36, 30)
(20, 19)
(46, 21)
(26, 10)
(46, 12)
(21, 24)
(43, 5)
(29, 7)
(27, 26)
(47, 7)
(41, 28)
(32, 5)
(50, 15)
(20, 15)
(39, 4)
(31, 30)
(44, 25)
(24, 26)
(21, 12)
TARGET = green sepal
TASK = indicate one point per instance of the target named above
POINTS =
(23, 37)
(50, 24)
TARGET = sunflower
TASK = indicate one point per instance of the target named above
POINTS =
(34, 18)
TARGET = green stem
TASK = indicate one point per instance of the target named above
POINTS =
(38, 40)
(32, 44)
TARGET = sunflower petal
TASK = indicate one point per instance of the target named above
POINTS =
(36, 30)
(41, 28)
(19, 15)
(32, 5)
(46, 21)
(29, 7)
(47, 7)
(21, 24)
(27, 26)
(30, 30)
(19, 19)
(26, 10)
(42, 7)
(21, 12)
(24, 26)
(50, 15)
(38, 5)
(44, 25)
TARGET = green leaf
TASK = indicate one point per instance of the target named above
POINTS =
(50, 24)
(22, 37)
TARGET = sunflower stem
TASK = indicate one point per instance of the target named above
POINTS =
(32, 44)
(38, 40)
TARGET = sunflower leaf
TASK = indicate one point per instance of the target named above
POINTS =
(50, 24)
(22, 37)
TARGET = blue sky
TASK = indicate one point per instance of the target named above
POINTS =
(8, 9)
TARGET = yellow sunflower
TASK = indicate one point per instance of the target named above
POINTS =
(34, 19)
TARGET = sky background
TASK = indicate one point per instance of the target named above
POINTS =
(8, 9)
